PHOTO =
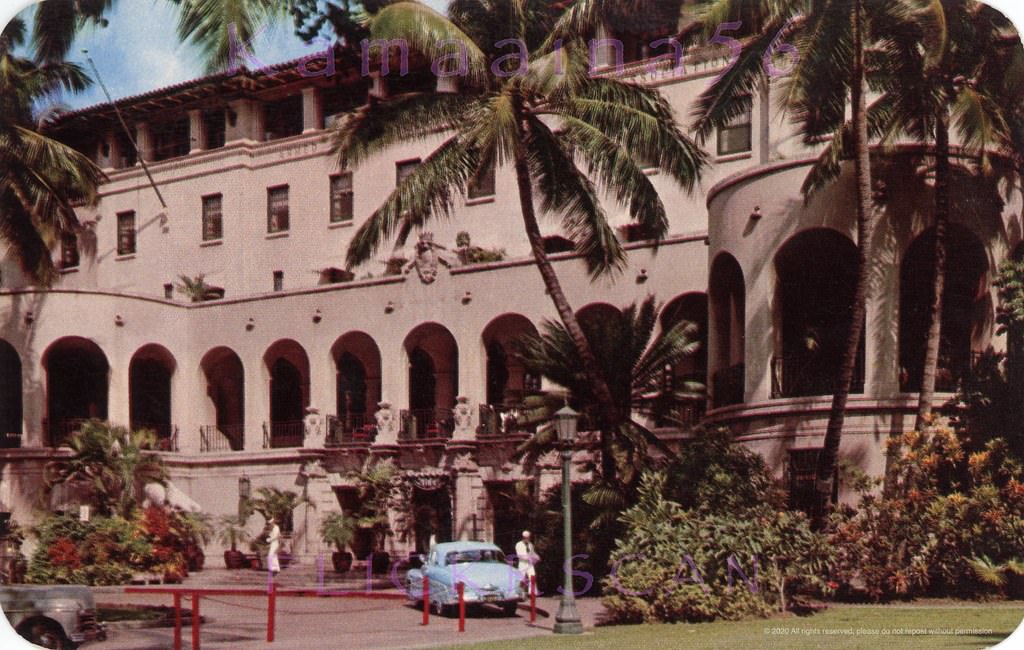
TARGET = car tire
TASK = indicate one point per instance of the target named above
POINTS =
(46, 634)
(509, 609)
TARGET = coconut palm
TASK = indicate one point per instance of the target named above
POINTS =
(956, 87)
(637, 365)
(40, 179)
(275, 503)
(830, 36)
(541, 119)
(114, 462)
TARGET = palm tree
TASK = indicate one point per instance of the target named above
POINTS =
(957, 86)
(637, 365)
(532, 119)
(42, 179)
(275, 503)
(114, 462)
(830, 36)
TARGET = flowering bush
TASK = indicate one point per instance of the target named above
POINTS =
(944, 511)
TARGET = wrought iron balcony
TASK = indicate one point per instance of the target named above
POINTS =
(798, 376)
(229, 437)
(278, 435)
(351, 429)
(426, 424)
(10, 440)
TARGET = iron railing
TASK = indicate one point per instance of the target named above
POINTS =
(351, 428)
(61, 430)
(797, 376)
(426, 424)
(499, 420)
(728, 384)
(288, 433)
(10, 440)
(948, 374)
(227, 437)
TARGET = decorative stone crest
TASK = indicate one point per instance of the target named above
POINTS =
(385, 421)
(427, 258)
(313, 469)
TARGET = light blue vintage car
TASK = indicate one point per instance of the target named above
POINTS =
(480, 566)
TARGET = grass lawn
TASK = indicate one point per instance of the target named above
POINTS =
(847, 627)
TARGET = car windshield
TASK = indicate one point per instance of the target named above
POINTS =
(476, 555)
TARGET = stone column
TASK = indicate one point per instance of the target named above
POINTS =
(321, 494)
(467, 480)
(144, 140)
(197, 131)
(312, 110)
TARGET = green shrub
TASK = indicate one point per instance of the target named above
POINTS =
(677, 564)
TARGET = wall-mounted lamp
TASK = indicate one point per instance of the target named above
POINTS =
(29, 318)
(756, 214)
(250, 325)
(317, 317)
(119, 320)
(641, 277)
(467, 297)
(390, 307)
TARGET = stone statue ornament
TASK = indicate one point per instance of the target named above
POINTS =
(313, 430)
(168, 496)
(463, 415)
(427, 258)
(385, 419)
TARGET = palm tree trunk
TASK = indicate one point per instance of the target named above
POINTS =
(828, 457)
(932, 345)
(609, 409)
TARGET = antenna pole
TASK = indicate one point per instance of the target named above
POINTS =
(127, 131)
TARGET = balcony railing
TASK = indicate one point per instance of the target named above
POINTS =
(728, 384)
(948, 374)
(500, 420)
(797, 376)
(278, 435)
(351, 428)
(426, 424)
(166, 434)
(10, 440)
(61, 430)
(228, 437)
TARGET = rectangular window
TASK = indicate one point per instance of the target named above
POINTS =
(482, 185)
(171, 139)
(342, 203)
(404, 168)
(737, 137)
(278, 280)
(69, 251)
(213, 221)
(216, 128)
(277, 209)
(125, 233)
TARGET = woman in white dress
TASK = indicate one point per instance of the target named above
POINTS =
(274, 539)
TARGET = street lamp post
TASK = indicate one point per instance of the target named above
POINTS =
(567, 620)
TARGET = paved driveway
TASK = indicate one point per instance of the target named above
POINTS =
(311, 623)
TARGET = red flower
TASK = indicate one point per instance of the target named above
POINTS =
(63, 552)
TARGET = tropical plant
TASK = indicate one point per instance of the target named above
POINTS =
(232, 531)
(278, 504)
(196, 288)
(338, 530)
(42, 179)
(377, 490)
(114, 462)
(504, 114)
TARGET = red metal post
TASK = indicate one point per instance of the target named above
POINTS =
(195, 621)
(271, 606)
(462, 606)
(533, 599)
(426, 600)
(177, 621)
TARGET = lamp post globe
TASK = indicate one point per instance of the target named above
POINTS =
(567, 620)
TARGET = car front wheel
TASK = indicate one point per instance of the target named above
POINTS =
(46, 635)
(509, 609)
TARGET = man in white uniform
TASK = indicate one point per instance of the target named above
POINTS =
(526, 555)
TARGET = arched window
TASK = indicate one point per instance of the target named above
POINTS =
(433, 381)
(149, 391)
(288, 366)
(10, 396)
(225, 386)
(727, 302)
(77, 376)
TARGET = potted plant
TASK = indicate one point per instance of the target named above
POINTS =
(231, 531)
(376, 490)
(338, 530)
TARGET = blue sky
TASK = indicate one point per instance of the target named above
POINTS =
(139, 50)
